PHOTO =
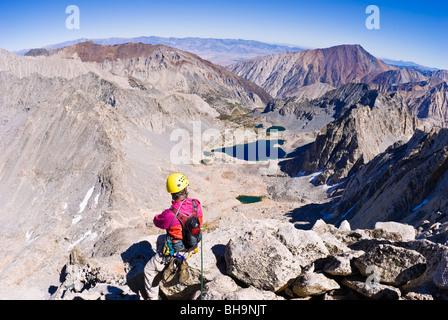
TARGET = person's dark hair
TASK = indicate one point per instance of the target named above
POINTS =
(180, 194)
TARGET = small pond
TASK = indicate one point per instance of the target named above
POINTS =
(273, 128)
(248, 199)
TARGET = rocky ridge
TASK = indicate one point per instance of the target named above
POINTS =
(405, 183)
(269, 259)
(361, 132)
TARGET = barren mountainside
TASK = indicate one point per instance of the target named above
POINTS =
(405, 183)
(364, 129)
(283, 74)
(167, 68)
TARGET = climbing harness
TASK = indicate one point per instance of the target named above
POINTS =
(177, 266)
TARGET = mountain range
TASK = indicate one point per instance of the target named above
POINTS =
(295, 78)
(87, 143)
(218, 51)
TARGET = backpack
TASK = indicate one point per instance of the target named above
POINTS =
(191, 227)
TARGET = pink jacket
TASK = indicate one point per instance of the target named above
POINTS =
(164, 219)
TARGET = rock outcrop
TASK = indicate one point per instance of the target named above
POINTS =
(393, 265)
(268, 259)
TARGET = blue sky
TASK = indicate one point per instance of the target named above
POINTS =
(409, 30)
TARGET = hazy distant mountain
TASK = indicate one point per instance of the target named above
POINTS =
(219, 51)
(283, 74)
(409, 65)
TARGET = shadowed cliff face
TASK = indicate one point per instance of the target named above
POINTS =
(405, 183)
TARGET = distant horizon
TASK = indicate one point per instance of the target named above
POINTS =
(170, 37)
(78, 40)
(406, 30)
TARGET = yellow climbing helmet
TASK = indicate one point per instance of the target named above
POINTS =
(176, 182)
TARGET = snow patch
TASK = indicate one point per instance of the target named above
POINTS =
(420, 205)
(76, 219)
(343, 216)
(326, 216)
(88, 236)
(84, 202)
(97, 198)
(314, 176)
(28, 238)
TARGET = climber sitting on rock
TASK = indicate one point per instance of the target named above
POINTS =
(182, 221)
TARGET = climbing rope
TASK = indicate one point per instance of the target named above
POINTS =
(202, 271)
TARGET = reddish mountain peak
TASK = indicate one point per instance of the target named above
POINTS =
(91, 52)
(351, 53)
(282, 75)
